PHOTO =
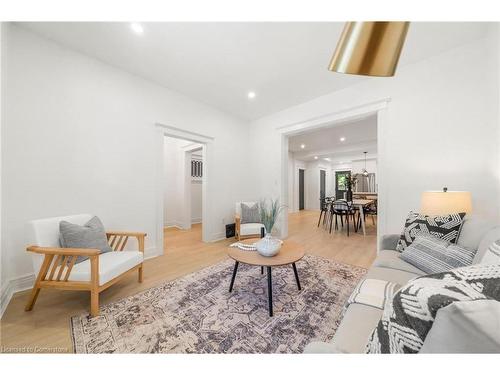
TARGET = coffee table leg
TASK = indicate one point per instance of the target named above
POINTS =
(270, 291)
(234, 276)
(296, 275)
(261, 270)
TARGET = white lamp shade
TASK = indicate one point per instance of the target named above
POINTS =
(443, 203)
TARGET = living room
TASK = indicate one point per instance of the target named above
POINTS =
(92, 110)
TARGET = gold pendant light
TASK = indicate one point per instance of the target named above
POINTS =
(369, 48)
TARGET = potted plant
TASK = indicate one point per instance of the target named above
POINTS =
(350, 181)
(269, 212)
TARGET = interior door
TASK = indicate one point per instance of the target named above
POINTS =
(322, 184)
(340, 183)
(301, 189)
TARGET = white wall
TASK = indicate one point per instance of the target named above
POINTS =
(79, 136)
(439, 130)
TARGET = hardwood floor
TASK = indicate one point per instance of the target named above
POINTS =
(46, 328)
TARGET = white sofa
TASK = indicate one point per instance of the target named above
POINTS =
(359, 320)
(55, 267)
(246, 230)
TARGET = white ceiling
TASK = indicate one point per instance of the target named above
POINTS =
(218, 63)
(360, 136)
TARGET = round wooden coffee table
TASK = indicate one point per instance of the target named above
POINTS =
(290, 253)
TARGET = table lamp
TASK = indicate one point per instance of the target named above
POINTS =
(445, 202)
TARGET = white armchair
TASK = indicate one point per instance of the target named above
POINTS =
(246, 230)
(55, 266)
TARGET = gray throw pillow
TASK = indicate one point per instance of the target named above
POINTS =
(91, 235)
(250, 214)
(432, 255)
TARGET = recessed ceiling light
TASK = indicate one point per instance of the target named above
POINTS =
(251, 95)
(137, 28)
(315, 158)
(327, 159)
(342, 139)
(302, 146)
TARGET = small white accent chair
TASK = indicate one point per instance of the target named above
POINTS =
(55, 266)
(247, 230)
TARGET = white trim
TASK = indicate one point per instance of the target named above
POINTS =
(196, 220)
(348, 114)
(218, 236)
(13, 286)
(207, 156)
(187, 135)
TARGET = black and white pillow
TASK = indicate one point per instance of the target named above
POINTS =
(446, 227)
(409, 316)
(431, 254)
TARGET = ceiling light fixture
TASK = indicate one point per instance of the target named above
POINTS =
(315, 158)
(302, 146)
(251, 95)
(342, 139)
(137, 28)
(369, 48)
(327, 159)
(364, 172)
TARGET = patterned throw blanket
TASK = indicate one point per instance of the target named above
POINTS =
(409, 316)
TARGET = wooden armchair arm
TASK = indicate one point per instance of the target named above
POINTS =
(58, 263)
(118, 239)
(63, 251)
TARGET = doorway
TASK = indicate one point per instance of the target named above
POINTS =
(183, 186)
(341, 178)
(301, 189)
(322, 184)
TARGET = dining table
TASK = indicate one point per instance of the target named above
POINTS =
(361, 204)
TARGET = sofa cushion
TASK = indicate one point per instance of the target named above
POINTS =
(250, 229)
(465, 327)
(431, 254)
(491, 236)
(355, 329)
(111, 265)
(446, 227)
(90, 235)
(392, 259)
(392, 275)
(492, 254)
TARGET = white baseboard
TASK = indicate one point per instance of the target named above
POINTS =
(218, 237)
(26, 282)
(13, 286)
(196, 220)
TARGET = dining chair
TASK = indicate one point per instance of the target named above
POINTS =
(324, 205)
(343, 209)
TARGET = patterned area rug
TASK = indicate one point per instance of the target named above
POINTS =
(197, 314)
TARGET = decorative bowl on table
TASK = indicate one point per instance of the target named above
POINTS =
(268, 246)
